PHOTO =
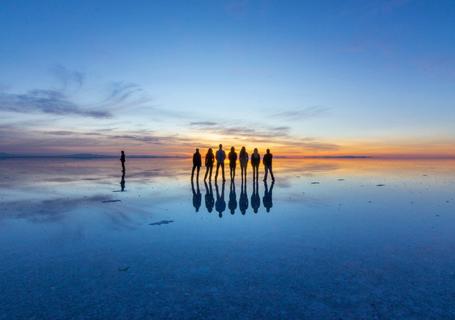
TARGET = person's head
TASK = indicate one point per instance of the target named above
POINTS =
(268, 150)
(210, 150)
(221, 146)
(243, 149)
(197, 150)
(255, 150)
(123, 152)
(232, 149)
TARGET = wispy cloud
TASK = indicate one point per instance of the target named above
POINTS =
(67, 77)
(46, 101)
(302, 113)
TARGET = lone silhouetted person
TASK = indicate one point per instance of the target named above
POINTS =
(232, 204)
(197, 163)
(122, 160)
(243, 157)
(267, 161)
(267, 199)
(243, 201)
(220, 157)
(232, 162)
(209, 159)
(197, 197)
(209, 199)
(255, 161)
(220, 204)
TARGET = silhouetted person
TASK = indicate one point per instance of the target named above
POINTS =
(267, 161)
(232, 162)
(209, 159)
(243, 201)
(209, 200)
(255, 161)
(197, 163)
(232, 204)
(243, 157)
(255, 198)
(122, 160)
(220, 157)
(267, 199)
(220, 204)
(122, 181)
(197, 197)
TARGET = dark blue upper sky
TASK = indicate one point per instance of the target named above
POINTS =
(339, 72)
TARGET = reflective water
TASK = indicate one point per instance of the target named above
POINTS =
(331, 239)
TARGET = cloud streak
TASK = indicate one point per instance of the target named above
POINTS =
(302, 113)
(48, 102)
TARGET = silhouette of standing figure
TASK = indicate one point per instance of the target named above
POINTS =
(232, 162)
(220, 157)
(243, 157)
(220, 204)
(255, 198)
(197, 163)
(197, 197)
(255, 161)
(209, 159)
(267, 199)
(122, 160)
(267, 160)
(209, 200)
(243, 201)
(232, 198)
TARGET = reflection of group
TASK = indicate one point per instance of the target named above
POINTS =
(220, 204)
(220, 157)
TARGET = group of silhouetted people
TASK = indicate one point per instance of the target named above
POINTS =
(220, 157)
(220, 204)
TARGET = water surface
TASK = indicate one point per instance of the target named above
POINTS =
(331, 239)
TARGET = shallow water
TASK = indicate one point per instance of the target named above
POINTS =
(332, 239)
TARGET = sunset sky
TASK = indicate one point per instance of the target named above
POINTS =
(162, 77)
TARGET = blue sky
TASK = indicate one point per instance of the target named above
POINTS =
(308, 77)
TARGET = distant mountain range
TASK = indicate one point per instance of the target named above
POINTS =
(81, 156)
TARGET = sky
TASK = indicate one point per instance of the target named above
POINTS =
(304, 78)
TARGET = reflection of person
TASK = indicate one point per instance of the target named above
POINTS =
(255, 161)
(197, 162)
(232, 162)
(209, 159)
(255, 198)
(243, 201)
(267, 199)
(122, 181)
(197, 197)
(220, 204)
(232, 198)
(220, 157)
(209, 200)
(122, 160)
(243, 157)
(267, 161)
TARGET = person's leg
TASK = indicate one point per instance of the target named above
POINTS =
(197, 173)
(206, 173)
(210, 175)
(266, 172)
(271, 173)
(217, 168)
(192, 172)
(222, 168)
(233, 173)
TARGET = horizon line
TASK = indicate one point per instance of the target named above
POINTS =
(144, 156)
